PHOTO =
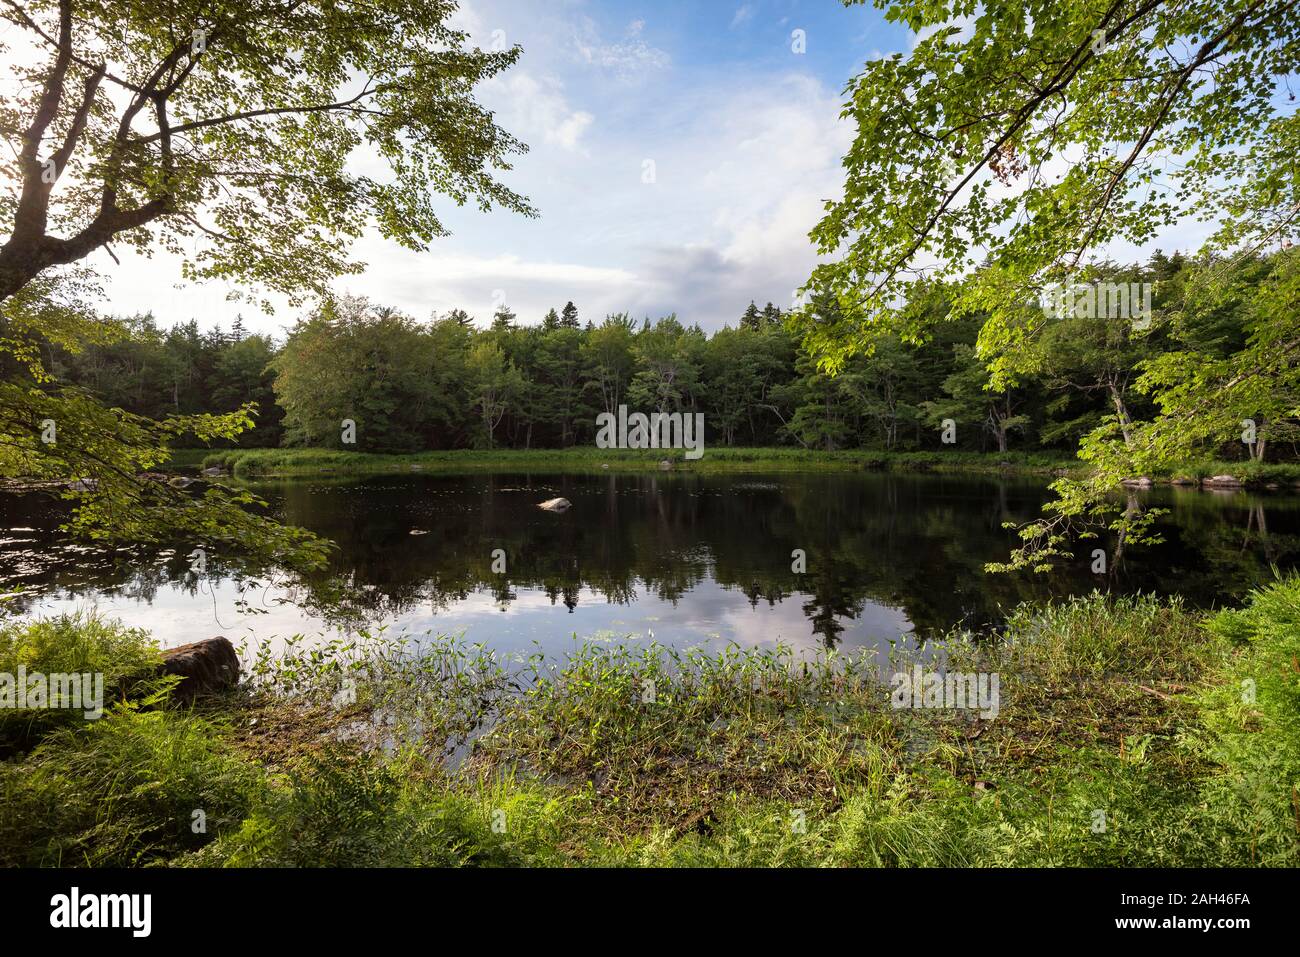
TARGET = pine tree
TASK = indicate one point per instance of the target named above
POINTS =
(551, 321)
(503, 320)
(750, 320)
(569, 315)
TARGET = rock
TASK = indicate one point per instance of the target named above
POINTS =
(1140, 482)
(1222, 481)
(604, 465)
(204, 666)
(556, 505)
(213, 472)
(180, 481)
(1183, 480)
(84, 485)
(665, 466)
(418, 531)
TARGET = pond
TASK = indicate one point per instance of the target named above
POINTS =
(683, 559)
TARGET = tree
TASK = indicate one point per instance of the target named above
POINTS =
(607, 355)
(969, 399)
(496, 385)
(569, 316)
(242, 376)
(668, 367)
(558, 395)
(1165, 114)
(379, 370)
(226, 130)
(236, 122)
(503, 320)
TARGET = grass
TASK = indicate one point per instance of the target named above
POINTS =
(255, 463)
(1246, 472)
(1131, 732)
(263, 463)
(73, 645)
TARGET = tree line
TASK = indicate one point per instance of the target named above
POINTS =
(447, 383)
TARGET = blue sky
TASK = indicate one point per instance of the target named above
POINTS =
(680, 154)
(740, 130)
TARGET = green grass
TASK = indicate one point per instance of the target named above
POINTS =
(1249, 473)
(1131, 732)
(69, 644)
(253, 463)
(261, 463)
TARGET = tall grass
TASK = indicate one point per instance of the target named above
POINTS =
(1125, 738)
(252, 463)
(68, 644)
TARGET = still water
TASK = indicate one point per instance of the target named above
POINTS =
(685, 559)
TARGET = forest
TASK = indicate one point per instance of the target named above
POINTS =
(451, 382)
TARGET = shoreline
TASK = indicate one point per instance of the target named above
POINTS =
(285, 463)
(1131, 707)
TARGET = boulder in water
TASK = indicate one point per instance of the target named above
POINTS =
(556, 505)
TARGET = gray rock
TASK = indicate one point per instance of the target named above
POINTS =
(556, 505)
(1222, 481)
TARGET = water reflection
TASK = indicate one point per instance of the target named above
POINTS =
(691, 559)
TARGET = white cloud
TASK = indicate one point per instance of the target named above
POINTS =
(534, 108)
(626, 60)
(965, 30)
(744, 13)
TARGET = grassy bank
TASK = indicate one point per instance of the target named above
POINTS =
(254, 463)
(1129, 732)
(266, 463)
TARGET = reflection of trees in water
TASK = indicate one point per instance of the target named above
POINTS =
(914, 543)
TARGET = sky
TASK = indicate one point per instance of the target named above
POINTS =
(680, 152)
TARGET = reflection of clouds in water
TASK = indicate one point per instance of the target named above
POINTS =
(787, 622)
(713, 617)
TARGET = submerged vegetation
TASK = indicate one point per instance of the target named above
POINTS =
(1130, 732)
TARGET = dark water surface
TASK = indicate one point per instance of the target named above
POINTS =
(685, 559)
